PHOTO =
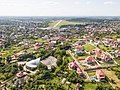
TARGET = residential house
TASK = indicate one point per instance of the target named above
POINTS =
(60, 38)
(73, 65)
(106, 58)
(92, 52)
(117, 53)
(47, 47)
(103, 56)
(52, 43)
(90, 60)
(80, 42)
(79, 71)
(21, 74)
(79, 49)
(36, 47)
(15, 56)
(100, 75)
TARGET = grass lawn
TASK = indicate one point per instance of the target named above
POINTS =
(88, 47)
(90, 86)
(82, 57)
(91, 73)
(105, 48)
(39, 40)
(64, 22)
(70, 58)
(117, 60)
(93, 86)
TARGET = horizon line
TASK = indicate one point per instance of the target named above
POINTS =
(63, 16)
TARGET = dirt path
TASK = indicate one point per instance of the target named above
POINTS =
(111, 75)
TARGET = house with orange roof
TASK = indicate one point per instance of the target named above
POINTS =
(90, 60)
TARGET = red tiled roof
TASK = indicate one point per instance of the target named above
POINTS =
(36, 47)
(90, 59)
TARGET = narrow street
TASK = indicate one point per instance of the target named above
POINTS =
(88, 78)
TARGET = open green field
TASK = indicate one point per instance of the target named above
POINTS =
(93, 86)
(91, 73)
(105, 48)
(88, 47)
(117, 60)
(67, 23)
(64, 22)
(52, 24)
(82, 57)
(90, 86)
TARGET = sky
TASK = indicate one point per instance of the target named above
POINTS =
(59, 7)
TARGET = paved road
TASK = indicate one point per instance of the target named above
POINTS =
(57, 24)
(102, 67)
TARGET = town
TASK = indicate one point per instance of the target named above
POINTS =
(59, 53)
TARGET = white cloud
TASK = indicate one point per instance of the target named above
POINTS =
(109, 3)
(88, 2)
(51, 3)
(77, 2)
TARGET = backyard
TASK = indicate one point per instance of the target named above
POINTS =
(88, 47)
